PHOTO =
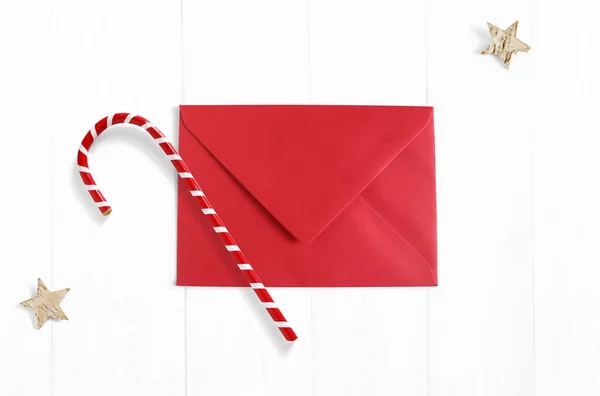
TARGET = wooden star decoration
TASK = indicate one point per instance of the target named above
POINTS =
(505, 43)
(46, 304)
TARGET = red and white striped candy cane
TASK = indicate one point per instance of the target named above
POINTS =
(195, 190)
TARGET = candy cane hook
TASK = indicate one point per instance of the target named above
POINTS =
(195, 190)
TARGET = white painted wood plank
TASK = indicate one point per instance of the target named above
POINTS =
(126, 333)
(25, 168)
(566, 195)
(480, 317)
(368, 340)
(367, 52)
(233, 347)
(238, 52)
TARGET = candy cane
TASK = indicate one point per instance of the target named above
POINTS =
(187, 177)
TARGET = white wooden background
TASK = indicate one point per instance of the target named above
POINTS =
(517, 311)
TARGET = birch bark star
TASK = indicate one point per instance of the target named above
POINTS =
(505, 43)
(46, 304)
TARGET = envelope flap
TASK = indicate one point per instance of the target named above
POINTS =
(305, 164)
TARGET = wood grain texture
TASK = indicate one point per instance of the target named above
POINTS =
(566, 196)
(240, 352)
(480, 318)
(237, 52)
(26, 225)
(113, 57)
(355, 58)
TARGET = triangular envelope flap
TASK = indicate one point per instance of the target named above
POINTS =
(305, 164)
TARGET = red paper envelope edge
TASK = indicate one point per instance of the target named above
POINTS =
(316, 196)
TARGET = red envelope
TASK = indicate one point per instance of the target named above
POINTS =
(314, 195)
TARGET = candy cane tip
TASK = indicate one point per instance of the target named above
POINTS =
(291, 338)
(107, 212)
(288, 334)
